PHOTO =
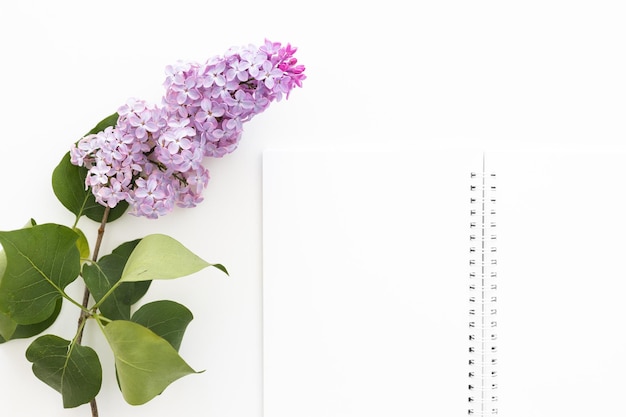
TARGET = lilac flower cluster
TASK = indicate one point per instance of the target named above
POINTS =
(152, 158)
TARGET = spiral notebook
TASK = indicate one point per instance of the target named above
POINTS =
(444, 283)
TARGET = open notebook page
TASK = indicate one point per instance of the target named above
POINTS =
(366, 283)
(562, 292)
(364, 305)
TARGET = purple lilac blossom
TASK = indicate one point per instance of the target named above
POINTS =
(153, 157)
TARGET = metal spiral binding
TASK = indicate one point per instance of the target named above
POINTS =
(483, 299)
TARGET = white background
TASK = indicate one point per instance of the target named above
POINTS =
(494, 74)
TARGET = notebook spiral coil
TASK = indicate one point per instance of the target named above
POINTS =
(483, 300)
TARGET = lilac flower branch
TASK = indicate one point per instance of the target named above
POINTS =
(149, 158)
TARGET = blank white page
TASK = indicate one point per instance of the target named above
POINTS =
(562, 293)
(365, 289)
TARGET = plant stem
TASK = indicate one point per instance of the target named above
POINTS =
(86, 295)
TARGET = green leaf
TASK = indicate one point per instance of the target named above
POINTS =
(3, 257)
(71, 369)
(41, 262)
(220, 267)
(159, 256)
(7, 325)
(68, 184)
(3, 264)
(100, 278)
(9, 329)
(82, 244)
(167, 319)
(24, 331)
(146, 363)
